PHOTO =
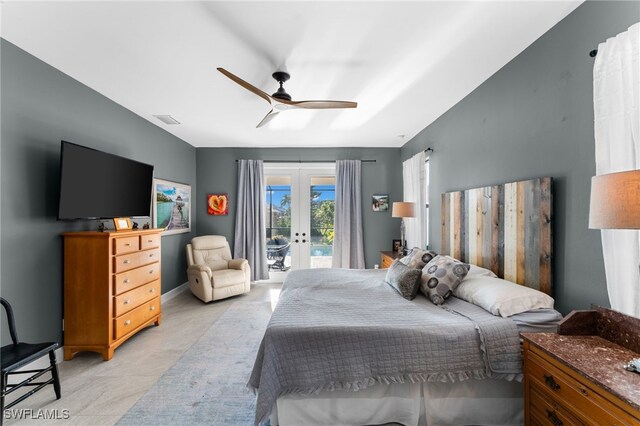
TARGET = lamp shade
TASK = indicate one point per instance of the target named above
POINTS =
(403, 209)
(615, 201)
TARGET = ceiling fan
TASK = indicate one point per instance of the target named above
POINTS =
(281, 100)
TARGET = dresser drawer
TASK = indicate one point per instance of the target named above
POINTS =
(149, 241)
(128, 280)
(124, 245)
(548, 412)
(586, 403)
(133, 319)
(129, 261)
(134, 298)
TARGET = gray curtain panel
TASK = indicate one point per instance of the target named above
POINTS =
(348, 247)
(251, 236)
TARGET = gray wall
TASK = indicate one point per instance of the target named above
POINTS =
(40, 107)
(217, 172)
(534, 118)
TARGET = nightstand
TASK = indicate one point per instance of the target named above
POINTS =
(387, 258)
(576, 376)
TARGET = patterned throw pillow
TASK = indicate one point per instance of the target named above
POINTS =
(418, 258)
(403, 279)
(441, 276)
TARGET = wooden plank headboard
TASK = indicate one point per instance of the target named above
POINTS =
(506, 228)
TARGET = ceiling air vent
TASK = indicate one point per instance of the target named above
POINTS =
(167, 119)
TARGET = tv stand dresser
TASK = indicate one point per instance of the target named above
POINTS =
(111, 288)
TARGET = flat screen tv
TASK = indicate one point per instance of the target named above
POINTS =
(98, 185)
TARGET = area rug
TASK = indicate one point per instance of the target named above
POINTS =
(208, 383)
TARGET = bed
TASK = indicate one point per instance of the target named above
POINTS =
(343, 348)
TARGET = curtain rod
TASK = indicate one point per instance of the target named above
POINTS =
(308, 161)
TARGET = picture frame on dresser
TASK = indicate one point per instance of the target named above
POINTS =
(171, 206)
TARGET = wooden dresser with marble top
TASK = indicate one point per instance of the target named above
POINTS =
(576, 376)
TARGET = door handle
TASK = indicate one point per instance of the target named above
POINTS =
(296, 241)
(304, 241)
(297, 234)
(303, 234)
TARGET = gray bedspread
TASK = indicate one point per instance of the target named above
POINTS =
(347, 329)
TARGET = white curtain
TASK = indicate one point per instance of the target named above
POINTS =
(348, 241)
(616, 87)
(413, 184)
(251, 235)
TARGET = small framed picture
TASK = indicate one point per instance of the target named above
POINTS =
(218, 204)
(380, 203)
(396, 245)
(122, 223)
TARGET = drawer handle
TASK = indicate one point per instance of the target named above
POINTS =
(126, 281)
(126, 302)
(151, 290)
(149, 241)
(151, 255)
(127, 322)
(127, 261)
(151, 271)
(548, 379)
(127, 244)
(152, 308)
(553, 417)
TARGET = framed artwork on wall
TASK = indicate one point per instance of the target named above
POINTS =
(218, 204)
(380, 203)
(171, 206)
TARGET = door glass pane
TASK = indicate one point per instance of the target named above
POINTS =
(278, 218)
(323, 199)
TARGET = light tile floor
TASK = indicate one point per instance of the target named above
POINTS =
(97, 392)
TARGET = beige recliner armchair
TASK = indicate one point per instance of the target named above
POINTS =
(213, 274)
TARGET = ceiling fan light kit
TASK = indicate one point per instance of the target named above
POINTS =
(281, 100)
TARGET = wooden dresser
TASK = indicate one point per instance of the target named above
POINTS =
(577, 378)
(111, 288)
(387, 258)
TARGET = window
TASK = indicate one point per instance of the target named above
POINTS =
(426, 197)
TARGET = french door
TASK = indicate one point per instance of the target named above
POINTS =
(300, 200)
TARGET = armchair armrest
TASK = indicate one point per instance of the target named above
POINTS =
(198, 269)
(239, 264)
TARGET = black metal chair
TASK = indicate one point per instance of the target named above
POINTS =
(277, 248)
(17, 355)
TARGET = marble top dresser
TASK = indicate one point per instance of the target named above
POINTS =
(577, 377)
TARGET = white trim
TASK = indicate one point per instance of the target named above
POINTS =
(174, 292)
(43, 362)
(298, 166)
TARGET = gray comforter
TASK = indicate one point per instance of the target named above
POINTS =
(347, 329)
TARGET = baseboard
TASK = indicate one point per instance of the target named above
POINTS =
(44, 361)
(174, 292)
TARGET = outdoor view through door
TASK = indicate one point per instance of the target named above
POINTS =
(299, 214)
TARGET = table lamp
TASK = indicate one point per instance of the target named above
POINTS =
(615, 204)
(403, 209)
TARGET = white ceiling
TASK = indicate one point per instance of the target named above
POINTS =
(404, 63)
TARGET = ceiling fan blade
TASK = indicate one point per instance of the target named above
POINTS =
(322, 104)
(267, 118)
(246, 85)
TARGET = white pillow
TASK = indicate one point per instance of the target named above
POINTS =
(478, 271)
(501, 297)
